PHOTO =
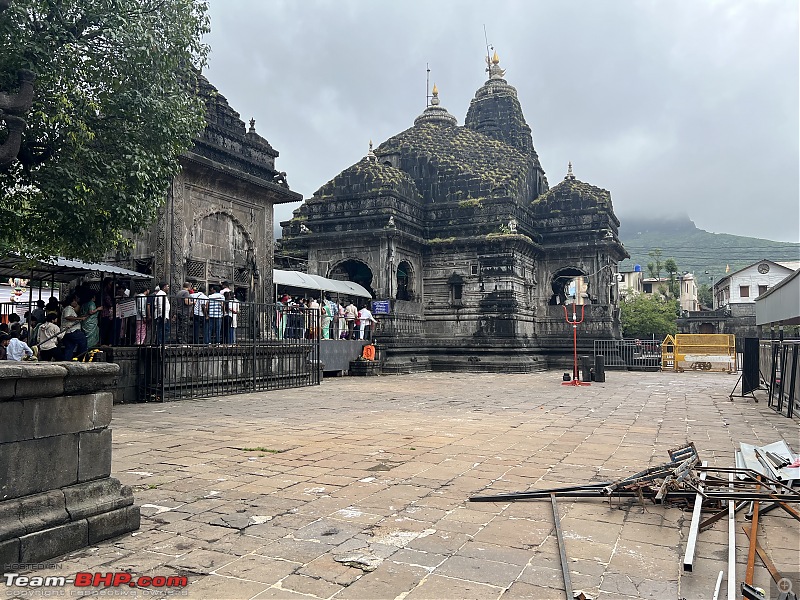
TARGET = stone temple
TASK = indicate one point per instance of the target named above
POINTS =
(458, 228)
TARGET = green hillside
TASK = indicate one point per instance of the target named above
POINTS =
(696, 250)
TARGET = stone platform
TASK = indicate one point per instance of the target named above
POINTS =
(358, 489)
(56, 494)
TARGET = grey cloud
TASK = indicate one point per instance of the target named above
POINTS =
(684, 106)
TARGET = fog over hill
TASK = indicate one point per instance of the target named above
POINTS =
(696, 250)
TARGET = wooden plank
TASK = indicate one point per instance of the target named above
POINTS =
(762, 554)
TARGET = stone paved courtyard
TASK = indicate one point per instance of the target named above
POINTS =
(255, 496)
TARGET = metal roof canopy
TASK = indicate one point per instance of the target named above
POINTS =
(58, 269)
(315, 282)
(781, 304)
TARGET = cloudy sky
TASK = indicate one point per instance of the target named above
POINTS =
(675, 106)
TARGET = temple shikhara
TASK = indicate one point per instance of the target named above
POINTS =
(457, 227)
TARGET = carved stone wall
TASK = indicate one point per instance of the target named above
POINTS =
(216, 224)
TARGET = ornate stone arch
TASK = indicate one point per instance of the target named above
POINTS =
(199, 217)
(560, 280)
(354, 269)
(220, 248)
(406, 283)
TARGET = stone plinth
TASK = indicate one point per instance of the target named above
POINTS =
(56, 493)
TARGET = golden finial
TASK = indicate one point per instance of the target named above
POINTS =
(435, 96)
(495, 58)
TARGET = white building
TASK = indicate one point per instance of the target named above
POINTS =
(747, 284)
(633, 282)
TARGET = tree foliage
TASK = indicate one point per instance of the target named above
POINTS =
(646, 316)
(114, 107)
(705, 296)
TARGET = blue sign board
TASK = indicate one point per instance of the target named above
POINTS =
(380, 307)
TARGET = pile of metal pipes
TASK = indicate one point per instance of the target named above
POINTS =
(763, 480)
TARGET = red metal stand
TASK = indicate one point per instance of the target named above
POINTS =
(574, 322)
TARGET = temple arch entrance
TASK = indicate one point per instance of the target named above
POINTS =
(568, 285)
(355, 271)
(221, 249)
(405, 281)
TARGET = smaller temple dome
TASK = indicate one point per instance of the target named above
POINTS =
(368, 176)
(573, 194)
(435, 113)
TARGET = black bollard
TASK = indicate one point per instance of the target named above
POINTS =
(600, 368)
(586, 368)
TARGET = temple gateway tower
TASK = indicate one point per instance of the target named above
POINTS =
(458, 228)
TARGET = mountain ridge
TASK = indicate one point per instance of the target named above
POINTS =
(707, 255)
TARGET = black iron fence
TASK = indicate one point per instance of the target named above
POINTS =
(206, 347)
(630, 354)
(176, 347)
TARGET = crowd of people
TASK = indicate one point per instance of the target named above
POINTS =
(52, 331)
(300, 317)
(86, 319)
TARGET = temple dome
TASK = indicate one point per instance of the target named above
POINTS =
(571, 194)
(435, 113)
(495, 110)
(368, 175)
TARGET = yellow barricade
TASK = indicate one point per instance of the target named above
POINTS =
(705, 352)
(668, 354)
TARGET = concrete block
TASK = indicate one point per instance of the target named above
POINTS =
(90, 377)
(67, 414)
(103, 405)
(10, 524)
(34, 466)
(114, 523)
(47, 544)
(9, 556)
(95, 497)
(16, 421)
(94, 454)
(42, 511)
(40, 380)
(10, 371)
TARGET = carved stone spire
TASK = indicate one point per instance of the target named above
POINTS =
(493, 67)
(252, 126)
(570, 175)
(435, 113)
(371, 155)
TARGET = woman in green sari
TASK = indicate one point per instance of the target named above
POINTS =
(91, 327)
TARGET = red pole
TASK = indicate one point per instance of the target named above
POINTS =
(574, 322)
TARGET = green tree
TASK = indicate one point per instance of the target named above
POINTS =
(705, 295)
(654, 268)
(672, 268)
(644, 316)
(114, 107)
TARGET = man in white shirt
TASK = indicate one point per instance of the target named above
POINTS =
(161, 310)
(15, 349)
(216, 309)
(200, 316)
(350, 315)
(366, 319)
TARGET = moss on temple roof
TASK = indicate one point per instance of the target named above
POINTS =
(459, 153)
(574, 191)
(368, 175)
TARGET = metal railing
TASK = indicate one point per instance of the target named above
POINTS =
(630, 354)
(211, 348)
(779, 362)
